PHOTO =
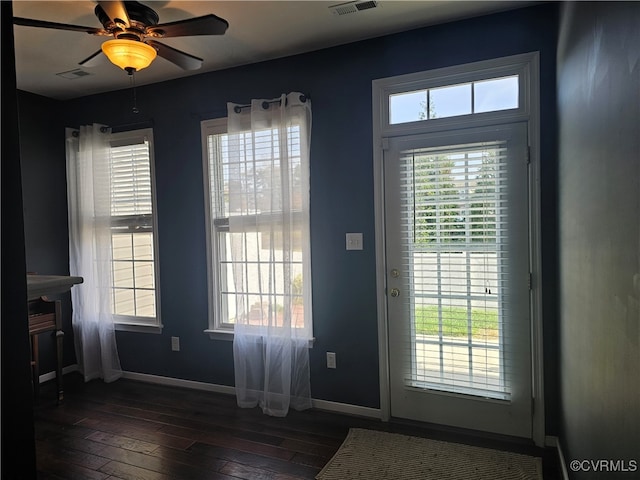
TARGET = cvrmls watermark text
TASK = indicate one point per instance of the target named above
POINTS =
(603, 465)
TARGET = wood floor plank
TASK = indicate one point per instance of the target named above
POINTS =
(55, 466)
(123, 442)
(204, 462)
(131, 472)
(310, 460)
(309, 448)
(255, 460)
(151, 435)
(248, 446)
(76, 457)
(246, 472)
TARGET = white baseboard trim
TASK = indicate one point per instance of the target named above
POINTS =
(178, 382)
(45, 377)
(211, 387)
(327, 405)
(347, 409)
(554, 442)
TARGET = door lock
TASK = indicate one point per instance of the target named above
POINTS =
(395, 292)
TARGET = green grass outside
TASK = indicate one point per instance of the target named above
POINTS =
(484, 324)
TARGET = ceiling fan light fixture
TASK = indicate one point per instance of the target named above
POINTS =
(129, 55)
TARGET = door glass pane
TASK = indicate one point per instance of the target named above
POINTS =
(453, 228)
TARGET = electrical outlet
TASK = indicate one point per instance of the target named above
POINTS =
(331, 360)
(175, 344)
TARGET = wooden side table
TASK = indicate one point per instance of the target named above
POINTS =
(45, 316)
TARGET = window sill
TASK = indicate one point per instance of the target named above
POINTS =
(138, 328)
(228, 336)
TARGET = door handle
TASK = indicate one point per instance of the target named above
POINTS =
(394, 292)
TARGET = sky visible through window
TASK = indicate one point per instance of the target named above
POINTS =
(454, 100)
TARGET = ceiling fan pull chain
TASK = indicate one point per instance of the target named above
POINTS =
(133, 85)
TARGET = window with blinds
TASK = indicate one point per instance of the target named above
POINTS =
(252, 213)
(133, 240)
(453, 228)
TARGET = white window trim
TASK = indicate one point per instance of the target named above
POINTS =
(527, 65)
(131, 323)
(216, 126)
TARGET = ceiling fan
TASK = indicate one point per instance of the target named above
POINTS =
(134, 28)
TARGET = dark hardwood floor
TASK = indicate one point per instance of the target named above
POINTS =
(134, 430)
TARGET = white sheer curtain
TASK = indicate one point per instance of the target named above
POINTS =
(89, 203)
(268, 195)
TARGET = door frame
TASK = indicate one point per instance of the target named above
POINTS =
(527, 65)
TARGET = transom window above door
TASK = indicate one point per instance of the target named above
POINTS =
(488, 95)
(462, 96)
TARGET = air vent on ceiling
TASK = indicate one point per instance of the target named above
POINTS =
(73, 74)
(352, 7)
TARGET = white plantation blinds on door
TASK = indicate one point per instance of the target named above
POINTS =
(454, 231)
(132, 227)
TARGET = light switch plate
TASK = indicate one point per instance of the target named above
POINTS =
(331, 360)
(354, 241)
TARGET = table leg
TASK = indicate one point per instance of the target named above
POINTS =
(35, 365)
(59, 339)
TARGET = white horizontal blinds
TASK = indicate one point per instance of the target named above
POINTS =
(218, 156)
(131, 180)
(132, 229)
(454, 231)
(264, 192)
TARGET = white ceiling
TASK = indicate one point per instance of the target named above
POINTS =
(258, 30)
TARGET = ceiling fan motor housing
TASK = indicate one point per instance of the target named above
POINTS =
(141, 18)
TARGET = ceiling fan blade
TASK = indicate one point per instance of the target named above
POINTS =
(205, 25)
(93, 60)
(181, 59)
(116, 11)
(28, 22)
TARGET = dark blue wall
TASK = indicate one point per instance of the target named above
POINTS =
(344, 290)
(45, 206)
(599, 204)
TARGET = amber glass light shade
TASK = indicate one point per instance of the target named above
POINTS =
(129, 54)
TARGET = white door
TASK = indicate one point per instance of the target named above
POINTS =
(458, 284)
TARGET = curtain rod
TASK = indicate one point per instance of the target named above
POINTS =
(76, 133)
(238, 108)
(265, 104)
(104, 129)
